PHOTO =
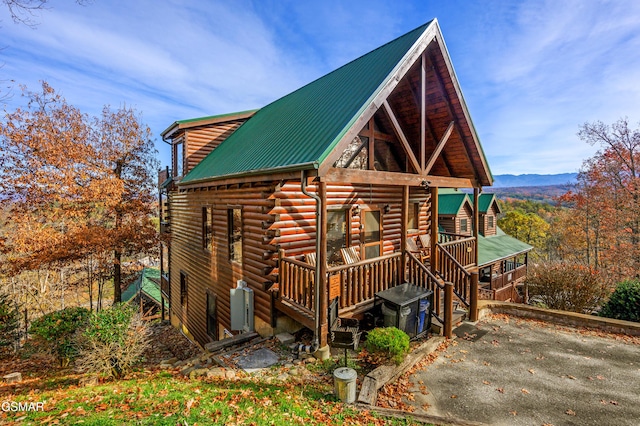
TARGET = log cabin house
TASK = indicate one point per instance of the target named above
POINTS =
(350, 163)
(502, 259)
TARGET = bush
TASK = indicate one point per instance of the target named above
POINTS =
(566, 286)
(624, 303)
(9, 324)
(389, 342)
(57, 329)
(114, 341)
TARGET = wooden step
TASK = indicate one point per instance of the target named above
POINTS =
(297, 313)
(458, 316)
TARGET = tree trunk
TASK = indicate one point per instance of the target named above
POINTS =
(117, 277)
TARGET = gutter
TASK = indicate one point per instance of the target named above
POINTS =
(311, 165)
(316, 332)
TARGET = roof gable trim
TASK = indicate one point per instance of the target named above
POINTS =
(377, 98)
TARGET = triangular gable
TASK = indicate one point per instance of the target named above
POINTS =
(486, 201)
(311, 127)
(452, 203)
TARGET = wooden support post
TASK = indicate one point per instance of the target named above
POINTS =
(423, 113)
(321, 263)
(434, 229)
(448, 310)
(403, 231)
(476, 221)
(473, 303)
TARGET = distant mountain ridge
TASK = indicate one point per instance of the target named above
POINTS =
(511, 181)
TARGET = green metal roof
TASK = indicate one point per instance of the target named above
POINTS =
(484, 201)
(497, 247)
(147, 283)
(451, 203)
(299, 131)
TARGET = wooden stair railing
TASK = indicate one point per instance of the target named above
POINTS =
(420, 275)
(449, 269)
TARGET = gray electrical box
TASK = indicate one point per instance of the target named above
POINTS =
(241, 307)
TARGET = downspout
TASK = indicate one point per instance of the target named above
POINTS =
(316, 331)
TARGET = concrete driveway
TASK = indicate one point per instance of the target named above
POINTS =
(509, 371)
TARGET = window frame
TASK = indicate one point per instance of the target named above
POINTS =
(211, 333)
(346, 242)
(178, 160)
(414, 215)
(464, 228)
(234, 237)
(207, 228)
(184, 288)
(363, 243)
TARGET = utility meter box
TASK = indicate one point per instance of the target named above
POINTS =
(242, 307)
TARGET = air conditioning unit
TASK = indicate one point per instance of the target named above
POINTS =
(242, 307)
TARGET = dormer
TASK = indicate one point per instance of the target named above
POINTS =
(192, 140)
(488, 210)
(455, 212)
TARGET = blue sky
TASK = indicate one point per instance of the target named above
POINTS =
(531, 71)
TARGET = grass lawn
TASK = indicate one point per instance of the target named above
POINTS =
(165, 398)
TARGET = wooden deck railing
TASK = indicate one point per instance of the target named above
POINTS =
(360, 281)
(447, 237)
(451, 268)
(506, 293)
(297, 282)
(421, 276)
(508, 277)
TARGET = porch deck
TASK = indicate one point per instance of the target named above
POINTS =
(356, 284)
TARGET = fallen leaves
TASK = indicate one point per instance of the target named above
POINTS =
(532, 371)
(570, 412)
(524, 391)
(501, 390)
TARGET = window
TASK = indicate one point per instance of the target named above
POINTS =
(372, 234)
(337, 234)
(490, 220)
(414, 216)
(183, 289)
(464, 227)
(178, 158)
(234, 217)
(212, 316)
(207, 228)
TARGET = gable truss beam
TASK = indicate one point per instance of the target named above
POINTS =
(445, 96)
(337, 175)
(428, 127)
(439, 147)
(402, 137)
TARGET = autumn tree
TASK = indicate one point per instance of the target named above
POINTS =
(527, 227)
(606, 200)
(127, 156)
(75, 186)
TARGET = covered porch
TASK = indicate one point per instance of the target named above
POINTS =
(449, 270)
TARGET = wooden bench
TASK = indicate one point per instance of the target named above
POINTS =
(349, 255)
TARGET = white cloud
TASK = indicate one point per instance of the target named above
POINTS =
(531, 71)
